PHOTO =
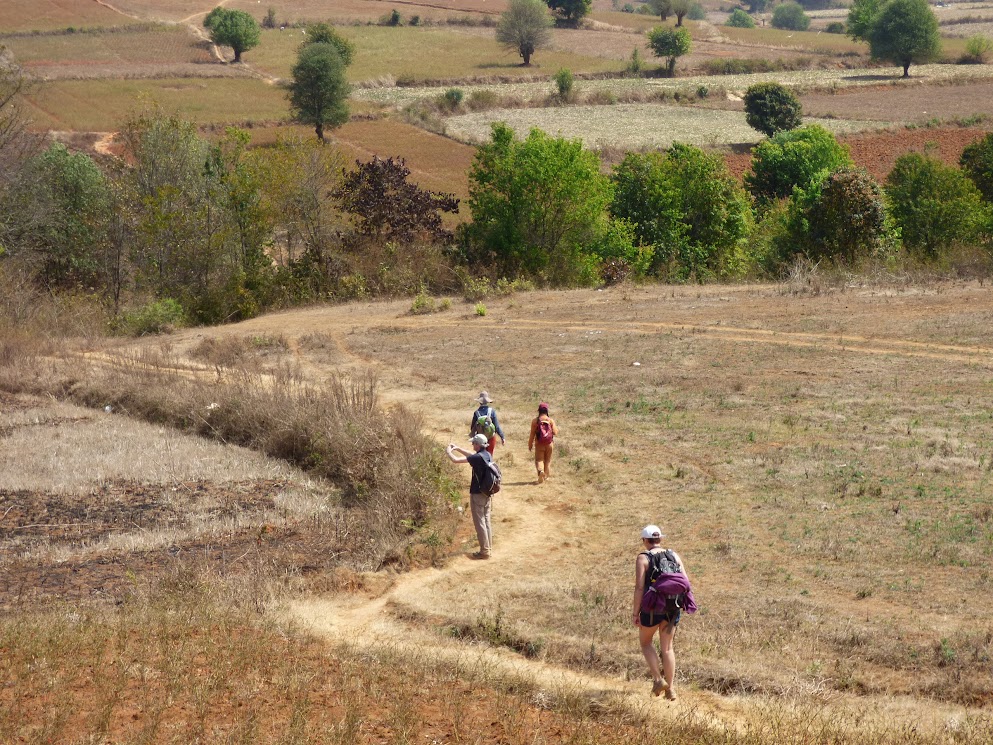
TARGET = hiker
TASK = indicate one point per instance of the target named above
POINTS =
(660, 569)
(543, 432)
(484, 422)
(480, 502)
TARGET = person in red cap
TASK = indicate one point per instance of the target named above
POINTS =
(543, 432)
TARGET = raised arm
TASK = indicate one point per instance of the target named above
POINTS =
(451, 451)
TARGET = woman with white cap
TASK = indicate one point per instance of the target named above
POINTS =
(652, 562)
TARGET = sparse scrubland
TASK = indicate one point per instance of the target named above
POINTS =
(224, 514)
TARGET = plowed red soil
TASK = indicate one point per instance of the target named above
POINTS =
(877, 151)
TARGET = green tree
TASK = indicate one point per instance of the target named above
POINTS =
(840, 218)
(669, 43)
(861, 14)
(977, 163)
(790, 16)
(570, 12)
(905, 32)
(539, 207)
(757, 6)
(680, 8)
(687, 206)
(934, 205)
(233, 28)
(318, 90)
(57, 214)
(796, 157)
(524, 27)
(325, 33)
(771, 108)
(662, 8)
(740, 19)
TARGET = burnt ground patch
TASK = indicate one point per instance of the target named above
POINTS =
(49, 543)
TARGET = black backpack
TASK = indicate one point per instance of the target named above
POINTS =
(489, 484)
(663, 562)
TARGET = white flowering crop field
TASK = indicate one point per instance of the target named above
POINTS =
(629, 125)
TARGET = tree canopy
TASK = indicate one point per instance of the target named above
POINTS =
(860, 16)
(935, 206)
(539, 206)
(524, 27)
(905, 32)
(669, 43)
(318, 90)
(325, 33)
(687, 206)
(793, 158)
(771, 108)
(790, 16)
(570, 11)
(233, 28)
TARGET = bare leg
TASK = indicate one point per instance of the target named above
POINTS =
(646, 636)
(667, 633)
(548, 461)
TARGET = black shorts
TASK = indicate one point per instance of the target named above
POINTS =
(654, 619)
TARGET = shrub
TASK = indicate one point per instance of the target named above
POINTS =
(934, 205)
(740, 19)
(793, 158)
(835, 27)
(790, 16)
(156, 317)
(771, 108)
(452, 99)
(564, 83)
(977, 49)
(423, 303)
(697, 12)
(977, 163)
(841, 218)
(480, 309)
(635, 65)
(484, 99)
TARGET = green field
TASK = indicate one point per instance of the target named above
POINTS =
(419, 54)
(102, 105)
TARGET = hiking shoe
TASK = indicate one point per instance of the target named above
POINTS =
(670, 694)
(658, 686)
(541, 477)
(478, 555)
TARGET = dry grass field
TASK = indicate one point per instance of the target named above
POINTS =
(103, 105)
(818, 452)
(416, 54)
(157, 51)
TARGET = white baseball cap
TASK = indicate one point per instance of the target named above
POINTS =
(652, 531)
(480, 440)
